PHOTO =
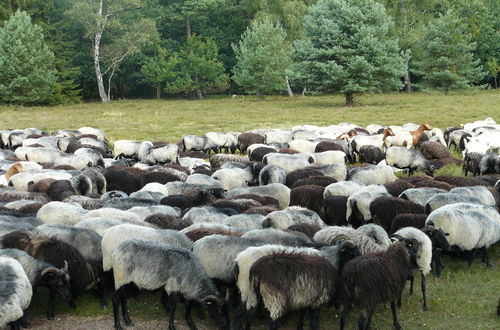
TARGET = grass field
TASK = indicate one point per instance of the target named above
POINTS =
(462, 298)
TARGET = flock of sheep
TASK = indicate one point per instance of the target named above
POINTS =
(312, 217)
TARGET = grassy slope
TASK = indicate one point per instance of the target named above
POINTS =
(462, 298)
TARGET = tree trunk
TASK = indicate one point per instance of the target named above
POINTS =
(496, 85)
(198, 93)
(260, 95)
(407, 81)
(304, 91)
(349, 99)
(97, 53)
(288, 88)
(158, 92)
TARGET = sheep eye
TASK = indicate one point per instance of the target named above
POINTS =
(409, 244)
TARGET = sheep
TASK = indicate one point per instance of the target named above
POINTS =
(371, 154)
(115, 235)
(228, 141)
(258, 154)
(363, 242)
(344, 188)
(305, 280)
(121, 180)
(302, 145)
(217, 160)
(384, 209)
(336, 171)
(371, 279)
(59, 212)
(397, 187)
(471, 163)
(330, 157)
(164, 153)
(372, 174)
(197, 143)
(291, 216)
(55, 252)
(275, 190)
(407, 139)
(423, 257)
(21, 181)
(199, 230)
(405, 158)
(334, 210)
(469, 227)
(420, 195)
(294, 176)
(481, 193)
(41, 273)
(434, 150)
(15, 292)
(276, 236)
(459, 181)
(328, 145)
(490, 163)
(244, 221)
(441, 185)
(376, 233)
(415, 220)
(287, 162)
(358, 204)
(439, 244)
(309, 196)
(139, 264)
(246, 139)
(234, 178)
(278, 136)
(99, 225)
(317, 180)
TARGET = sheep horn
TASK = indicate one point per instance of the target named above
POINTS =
(66, 267)
(50, 270)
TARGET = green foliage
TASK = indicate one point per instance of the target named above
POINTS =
(348, 49)
(445, 60)
(27, 73)
(262, 55)
(198, 68)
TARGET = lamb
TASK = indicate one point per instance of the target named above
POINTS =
(423, 257)
(41, 273)
(118, 234)
(308, 196)
(371, 279)
(148, 265)
(405, 158)
(372, 174)
(469, 227)
(55, 252)
(291, 216)
(384, 209)
(15, 292)
(150, 154)
(305, 280)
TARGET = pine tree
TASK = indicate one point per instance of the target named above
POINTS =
(445, 60)
(27, 73)
(349, 49)
(262, 55)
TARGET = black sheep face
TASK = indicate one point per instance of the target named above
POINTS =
(438, 238)
(347, 252)
(412, 246)
(215, 307)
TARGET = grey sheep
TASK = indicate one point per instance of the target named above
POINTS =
(410, 159)
(139, 264)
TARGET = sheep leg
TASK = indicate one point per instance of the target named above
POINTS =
(469, 256)
(50, 305)
(23, 322)
(115, 301)
(343, 316)
(424, 293)
(240, 312)
(15, 325)
(188, 305)
(250, 315)
(274, 325)
(362, 320)
(486, 259)
(300, 324)
(395, 321)
(171, 316)
(126, 317)
(412, 278)
(436, 262)
(100, 294)
(314, 316)
(198, 310)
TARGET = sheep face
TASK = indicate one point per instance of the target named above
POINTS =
(438, 237)
(58, 281)
(215, 307)
(347, 251)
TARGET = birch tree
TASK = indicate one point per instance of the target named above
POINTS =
(111, 20)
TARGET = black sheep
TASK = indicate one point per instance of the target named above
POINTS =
(489, 164)
(459, 181)
(371, 154)
(317, 180)
(158, 176)
(434, 150)
(384, 209)
(247, 139)
(305, 228)
(258, 153)
(327, 146)
(395, 188)
(434, 184)
(165, 221)
(471, 163)
(308, 196)
(60, 189)
(122, 180)
(334, 210)
(303, 173)
(415, 220)
(439, 244)
(55, 252)
(375, 278)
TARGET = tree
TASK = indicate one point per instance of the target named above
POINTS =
(262, 55)
(126, 34)
(27, 73)
(446, 61)
(198, 68)
(349, 49)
